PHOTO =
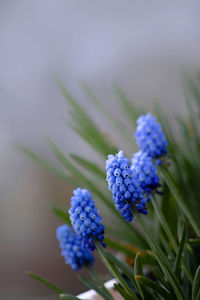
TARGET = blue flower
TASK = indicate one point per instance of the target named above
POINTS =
(150, 136)
(71, 249)
(85, 219)
(126, 190)
(144, 170)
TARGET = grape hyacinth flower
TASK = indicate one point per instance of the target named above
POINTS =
(125, 189)
(150, 137)
(71, 249)
(85, 219)
(144, 170)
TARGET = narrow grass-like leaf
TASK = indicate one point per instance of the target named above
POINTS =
(180, 251)
(114, 271)
(164, 223)
(129, 109)
(147, 256)
(138, 271)
(48, 166)
(121, 128)
(138, 265)
(122, 292)
(68, 297)
(98, 289)
(196, 284)
(161, 258)
(194, 242)
(121, 265)
(154, 286)
(62, 214)
(159, 276)
(45, 282)
(146, 293)
(84, 121)
(181, 202)
(126, 234)
(90, 166)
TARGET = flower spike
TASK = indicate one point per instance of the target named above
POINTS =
(125, 189)
(150, 136)
(144, 170)
(85, 219)
(71, 249)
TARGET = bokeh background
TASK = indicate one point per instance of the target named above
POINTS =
(145, 47)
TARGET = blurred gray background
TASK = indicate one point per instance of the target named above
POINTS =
(144, 46)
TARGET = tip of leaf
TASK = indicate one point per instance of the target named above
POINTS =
(137, 277)
(138, 253)
(28, 273)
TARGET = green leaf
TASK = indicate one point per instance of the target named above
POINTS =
(159, 276)
(196, 284)
(121, 265)
(117, 246)
(83, 120)
(194, 242)
(88, 165)
(161, 258)
(114, 271)
(121, 128)
(91, 285)
(154, 286)
(138, 271)
(62, 214)
(180, 201)
(48, 166)
(138, 265)
(180, 251)
(127, 233)
(164, 224)
(147, 256)
(130, 110)
(68, 297)
(119, 289)
(145, 292)
(45, 282)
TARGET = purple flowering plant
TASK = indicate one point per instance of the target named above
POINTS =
(149, 200)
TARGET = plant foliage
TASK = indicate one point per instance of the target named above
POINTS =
(168, 239)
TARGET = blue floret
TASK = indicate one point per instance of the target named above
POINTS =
(150, 136)
(126, 191)
(71, 249)
(85, 219)
(144, 170)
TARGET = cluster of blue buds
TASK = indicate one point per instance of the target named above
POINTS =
(150, 136)
(85, 219)
(126, 190)
(144, 170)
(71, 249)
